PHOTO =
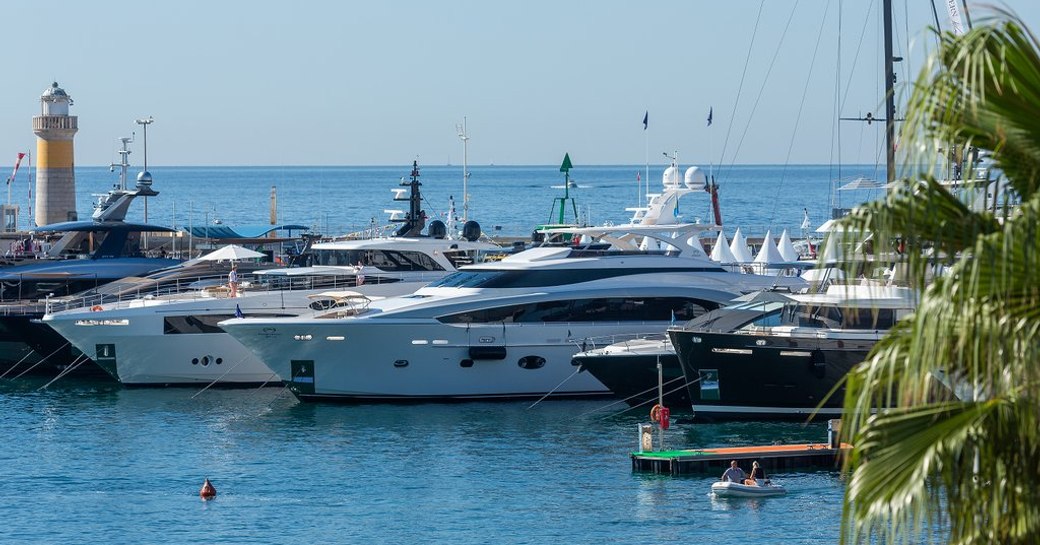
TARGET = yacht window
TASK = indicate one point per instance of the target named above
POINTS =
(387, 260)
(869, 318)
(610, 309)
(771, 319)
(206, 323)
(536, 278)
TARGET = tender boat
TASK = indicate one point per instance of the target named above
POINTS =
(729, 489)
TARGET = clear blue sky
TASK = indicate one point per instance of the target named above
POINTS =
(373, 83)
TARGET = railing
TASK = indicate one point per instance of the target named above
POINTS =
(122, 294)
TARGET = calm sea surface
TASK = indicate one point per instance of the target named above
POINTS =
(506, 200)
(94, 463)
(91, 462)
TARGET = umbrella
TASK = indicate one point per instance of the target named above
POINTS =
(231, 252)
(861, 183)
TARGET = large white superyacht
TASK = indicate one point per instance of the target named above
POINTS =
(507, 329)
(165, 336)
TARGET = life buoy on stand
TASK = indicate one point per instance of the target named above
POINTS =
(661, 414)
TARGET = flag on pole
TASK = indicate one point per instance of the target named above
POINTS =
(238, 311)
(709, 115)
(646, 119)
(17, 163)
(805, 220)
(637, 176)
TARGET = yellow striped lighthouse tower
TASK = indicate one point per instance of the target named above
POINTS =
(55, 168)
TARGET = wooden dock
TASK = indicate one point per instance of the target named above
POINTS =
(716, 460)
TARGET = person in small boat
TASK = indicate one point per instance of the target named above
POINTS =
(757, 477)
(734, 473)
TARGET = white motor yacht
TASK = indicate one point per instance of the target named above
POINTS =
(504, 329)
(171, 337)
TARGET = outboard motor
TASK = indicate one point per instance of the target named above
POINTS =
(471, 230)
(437, 229)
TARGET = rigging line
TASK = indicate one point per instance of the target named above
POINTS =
(855, 58)
(19, 362)
(33, 366)
(835, 124)
(576, 371)
(740, 87)
(761, 90)
(798, 117)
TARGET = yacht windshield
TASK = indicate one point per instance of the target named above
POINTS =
(386, 260)
(537, 279)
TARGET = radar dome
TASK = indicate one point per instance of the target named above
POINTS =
(670, 178)
(471, 230)
(695, 178)
(437, 229)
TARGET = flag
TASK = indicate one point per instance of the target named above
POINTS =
(17, 163)
(637, 177)
(709, 115)
(238, 312)
(673, 317)
(805, 220)
(360, 276)
(646, 119)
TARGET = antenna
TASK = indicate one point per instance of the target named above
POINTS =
(461, 129)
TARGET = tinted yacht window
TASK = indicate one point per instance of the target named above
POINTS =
(536, 279)
(387, 260)
(606, 309)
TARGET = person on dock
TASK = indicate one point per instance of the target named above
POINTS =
(734, 473)
(757, 477)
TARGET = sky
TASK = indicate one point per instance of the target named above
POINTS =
(343, 82)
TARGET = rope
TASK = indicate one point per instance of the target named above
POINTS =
(633, 396)
(798, 117)
(33, 366)
(80, 360)
(761, 90)
(576, 371)
(740, 87)
(218, 379)
(12, 368)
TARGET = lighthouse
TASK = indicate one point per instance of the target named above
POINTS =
(55, 168)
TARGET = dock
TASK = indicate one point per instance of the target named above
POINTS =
(776, 457)
(716, 460)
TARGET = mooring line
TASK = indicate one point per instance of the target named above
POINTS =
(33, 366)
(80, 360)
(216, 380)
(12, 368)
(576, 371)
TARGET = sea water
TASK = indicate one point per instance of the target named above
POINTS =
(90, 462)
(505, 200)
(93, 462)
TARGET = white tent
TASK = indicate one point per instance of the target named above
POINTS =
(832, 247)
(721, 251)
(786, 248)
(738, 247)
(769, 253)
(231, 252)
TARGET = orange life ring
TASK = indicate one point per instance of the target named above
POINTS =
(96, 308)
(655, 413)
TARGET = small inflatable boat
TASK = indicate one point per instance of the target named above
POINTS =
(728, 489)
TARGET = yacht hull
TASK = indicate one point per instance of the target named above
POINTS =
(365, 360)
(135, 344)
(634, 377)
(741, 376)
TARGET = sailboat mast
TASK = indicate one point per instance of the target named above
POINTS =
(890, 98)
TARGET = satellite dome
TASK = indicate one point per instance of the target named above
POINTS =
(144, 178)
(55, 91)
(695, 178)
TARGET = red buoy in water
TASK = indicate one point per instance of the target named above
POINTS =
(207, 492)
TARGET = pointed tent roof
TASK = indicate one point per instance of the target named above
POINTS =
(769, 252)
(721, 252)
(832, 248)
(738, 247)
(786, 248)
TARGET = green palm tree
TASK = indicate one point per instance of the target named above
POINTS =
(944, 414)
